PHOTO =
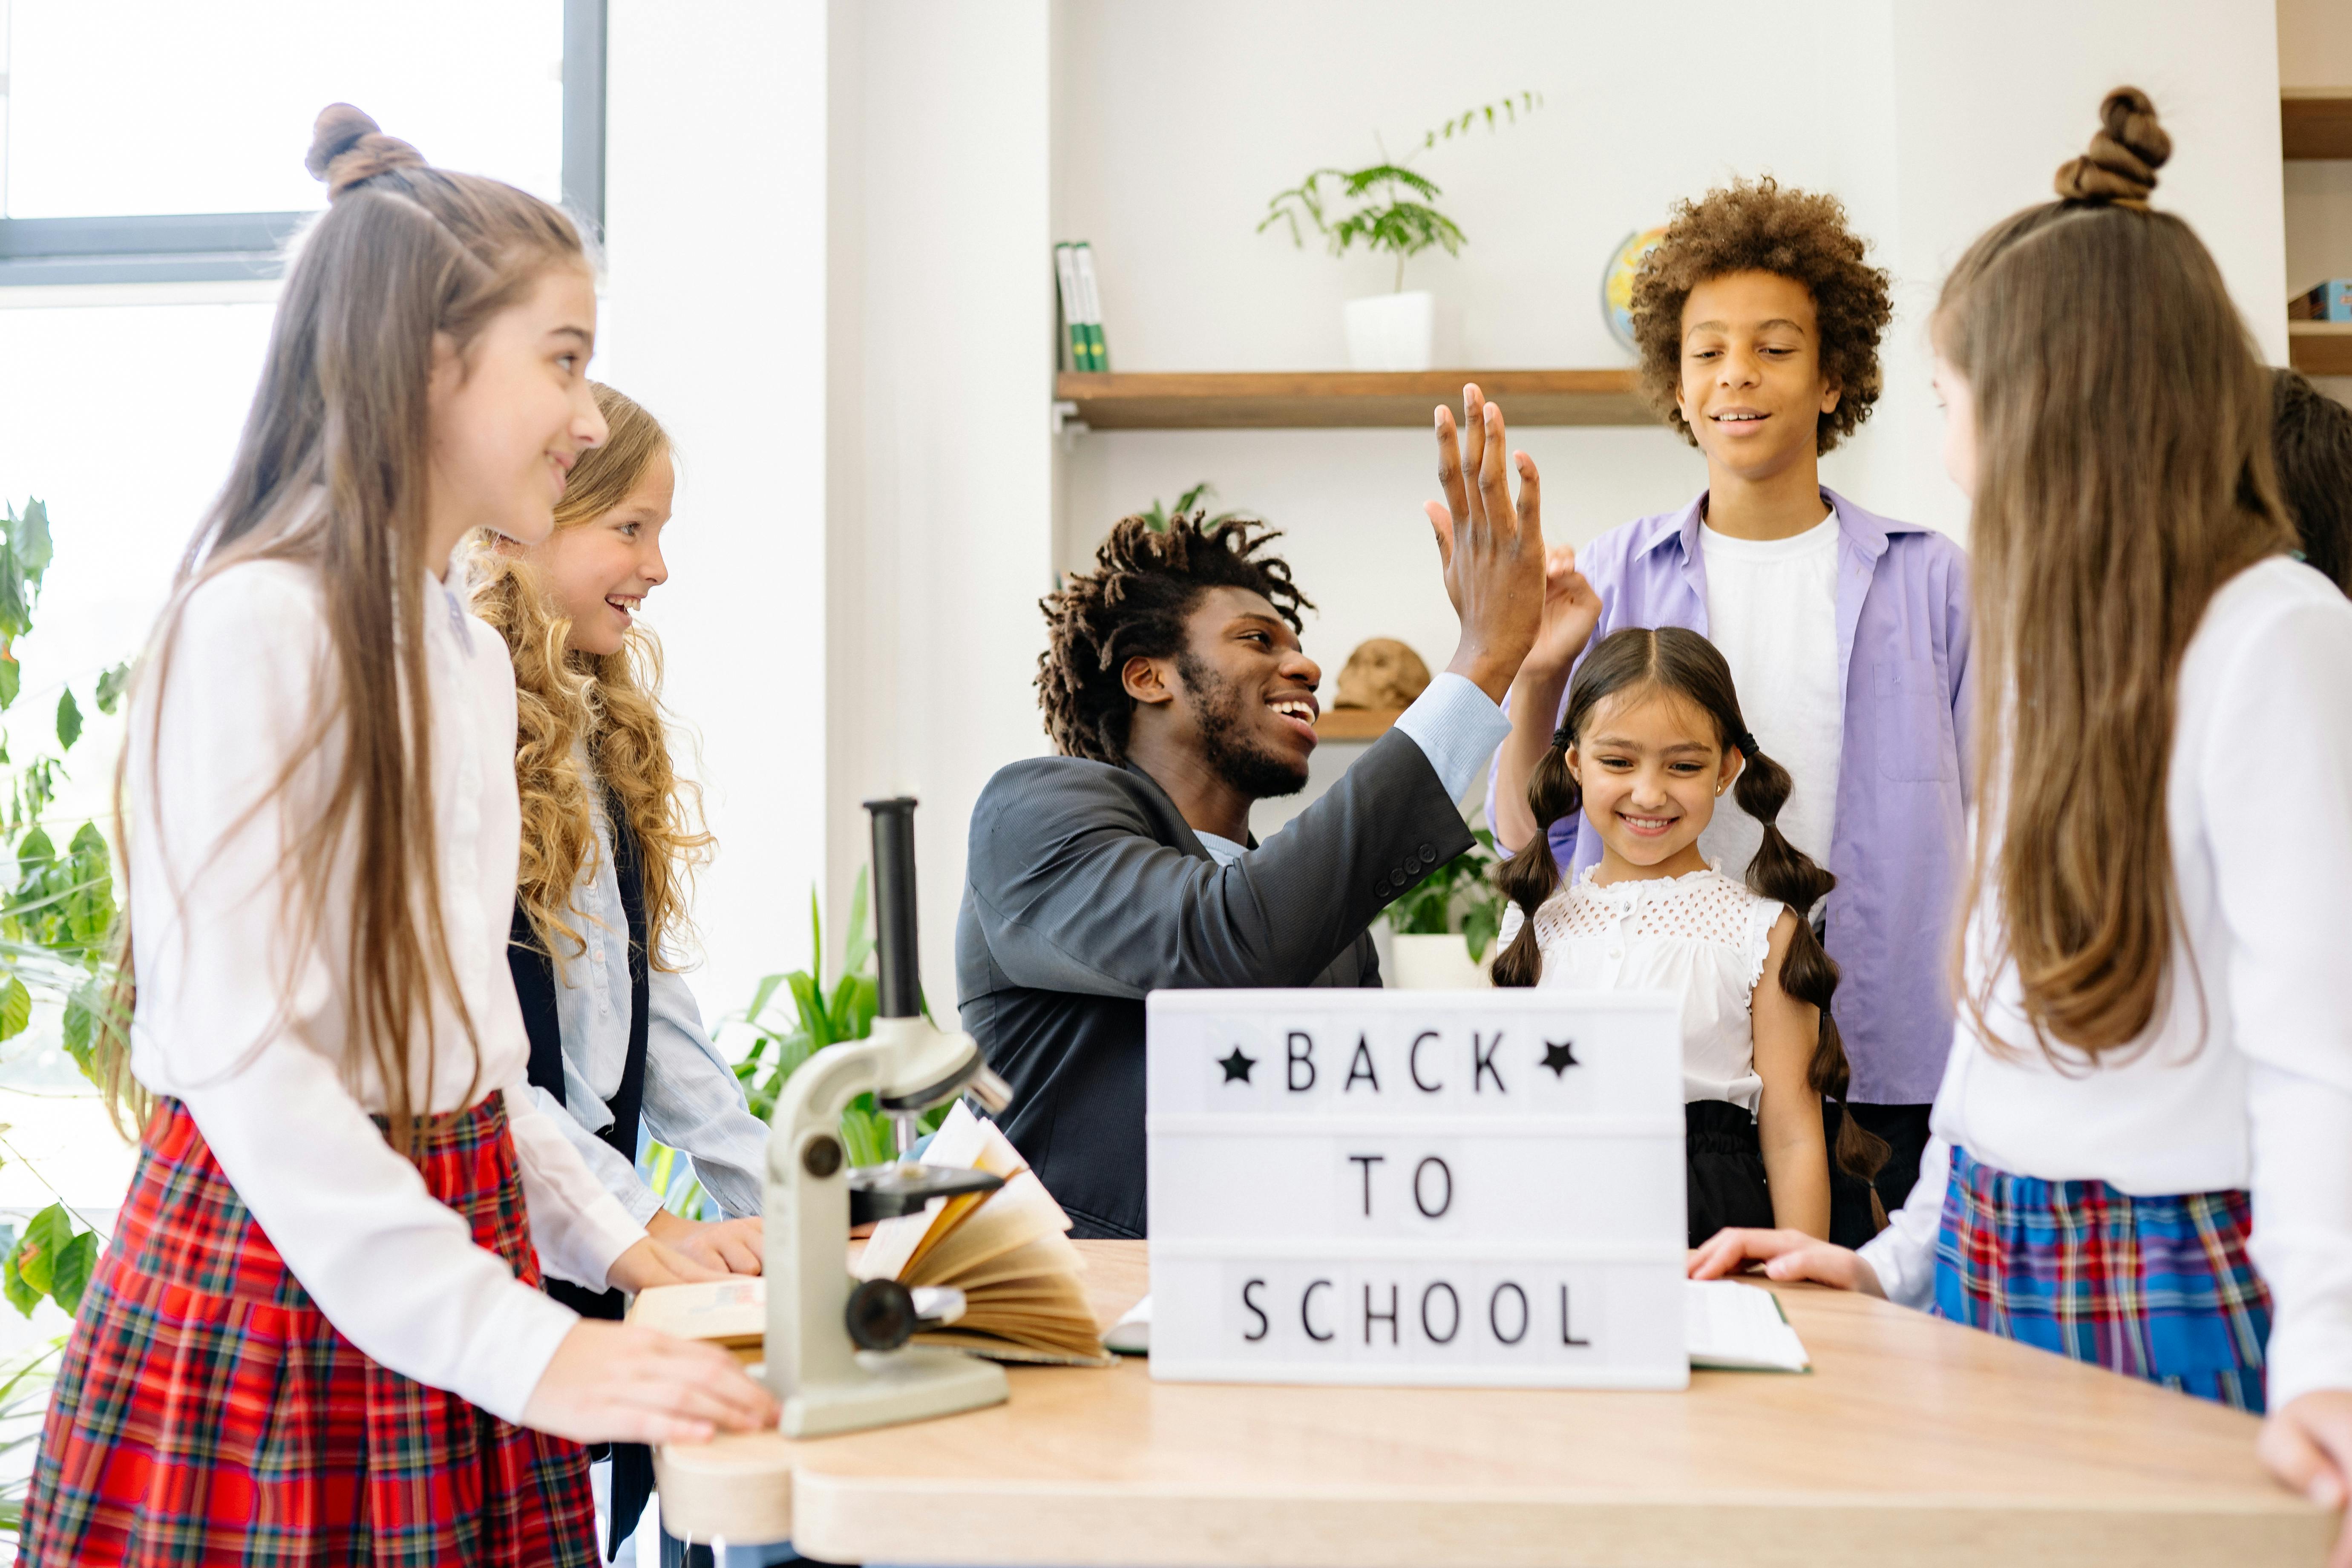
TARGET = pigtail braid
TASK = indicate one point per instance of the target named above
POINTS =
(1531, 876)
(1782, 871)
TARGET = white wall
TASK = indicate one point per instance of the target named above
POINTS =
(2315, 43)
(941, 507)
(713, 317)
(1992, 97)
(1176, 124)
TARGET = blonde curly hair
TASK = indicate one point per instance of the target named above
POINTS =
(611, 700)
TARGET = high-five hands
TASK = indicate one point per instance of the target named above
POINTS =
(1491, 550)
(1571, 611)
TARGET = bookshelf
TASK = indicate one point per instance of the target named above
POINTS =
(1355, 724)
(1328, 400)
(2320, 348)
(2316, 121)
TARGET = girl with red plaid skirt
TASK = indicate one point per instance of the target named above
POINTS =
(316, 1335)
(2145, 1124)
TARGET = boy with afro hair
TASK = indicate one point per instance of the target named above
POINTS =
(1759, 320)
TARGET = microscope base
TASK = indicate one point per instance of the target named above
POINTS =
(910, 1385)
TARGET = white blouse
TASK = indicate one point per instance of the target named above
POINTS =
(1702, 936)
(241, 1018)
(692, 1101)
(2244, 1079)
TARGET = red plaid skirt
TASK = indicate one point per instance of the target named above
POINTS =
(208, 1413)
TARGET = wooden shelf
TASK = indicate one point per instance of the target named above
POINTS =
(1356, 724)
(2315, 122)
(2320, 348)
(1324, 400)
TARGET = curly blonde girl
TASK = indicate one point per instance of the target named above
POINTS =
(612, 702)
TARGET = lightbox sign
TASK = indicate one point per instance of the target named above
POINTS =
(1468, 1188)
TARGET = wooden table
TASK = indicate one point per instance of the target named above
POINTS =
(1913, 1442)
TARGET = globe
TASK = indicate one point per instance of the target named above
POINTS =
(1617, 283)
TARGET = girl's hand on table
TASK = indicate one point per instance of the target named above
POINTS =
(1786, 1255)
(730, 1245)
(610, 1382)
(2308, 1445)
(653, 1262)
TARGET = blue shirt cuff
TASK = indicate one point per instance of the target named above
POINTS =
(1457, 728)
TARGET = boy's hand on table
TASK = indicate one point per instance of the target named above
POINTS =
(1786, 1255)
(729, 1246)
(611, 1382)
(2308, 1445)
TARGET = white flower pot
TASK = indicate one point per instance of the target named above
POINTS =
(1438, 964)
(1392, 332)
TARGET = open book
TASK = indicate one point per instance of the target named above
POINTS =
(1732, 1327)
(1005, 1250)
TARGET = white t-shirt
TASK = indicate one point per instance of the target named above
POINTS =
(1771, 607)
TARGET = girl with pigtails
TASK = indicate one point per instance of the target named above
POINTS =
(1652, 742)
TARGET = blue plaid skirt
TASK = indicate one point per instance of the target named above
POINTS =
(2155, 1288)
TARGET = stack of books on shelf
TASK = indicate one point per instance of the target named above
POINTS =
(2331, 301)
(1081, 336)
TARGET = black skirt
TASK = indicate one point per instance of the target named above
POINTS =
(1725, 1162)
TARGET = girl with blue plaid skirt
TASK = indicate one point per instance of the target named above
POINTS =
(316, 1335)
(2145, 1124)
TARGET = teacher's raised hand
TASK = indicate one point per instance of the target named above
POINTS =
(1492, 549)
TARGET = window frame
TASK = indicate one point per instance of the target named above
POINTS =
(202, 247)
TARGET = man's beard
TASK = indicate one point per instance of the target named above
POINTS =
(1225, 745)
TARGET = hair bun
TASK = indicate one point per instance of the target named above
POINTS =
(347, 146)
(2121, 164)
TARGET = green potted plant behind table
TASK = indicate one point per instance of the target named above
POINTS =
(1392, 215)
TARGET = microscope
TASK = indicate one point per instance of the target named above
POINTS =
(836, 1350)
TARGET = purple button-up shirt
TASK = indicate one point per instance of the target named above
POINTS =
(1902, 779)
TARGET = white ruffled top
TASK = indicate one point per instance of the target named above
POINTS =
(1702, 936)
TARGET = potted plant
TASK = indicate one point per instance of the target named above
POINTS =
(1157, 513)
(1392, 214)
(1444, 924)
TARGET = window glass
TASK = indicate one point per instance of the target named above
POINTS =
(169, 106)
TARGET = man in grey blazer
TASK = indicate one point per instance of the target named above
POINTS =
(1177, 695)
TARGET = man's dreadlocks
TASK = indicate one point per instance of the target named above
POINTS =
(1132, 606)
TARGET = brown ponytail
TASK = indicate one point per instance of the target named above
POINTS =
(1672, 659)
(1781, 870)
(2124, 474)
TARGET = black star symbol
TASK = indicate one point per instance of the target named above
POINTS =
(1559, 1057)
(1237, 1066)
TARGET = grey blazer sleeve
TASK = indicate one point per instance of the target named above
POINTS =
(1074, 892)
